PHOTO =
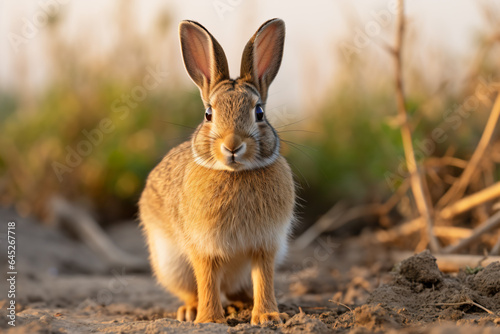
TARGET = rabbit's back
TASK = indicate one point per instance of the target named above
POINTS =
(159, 203)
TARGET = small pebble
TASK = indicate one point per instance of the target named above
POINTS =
(45, 319)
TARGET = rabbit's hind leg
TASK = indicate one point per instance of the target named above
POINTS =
(174, 272)
(188, 311)
(237, 283)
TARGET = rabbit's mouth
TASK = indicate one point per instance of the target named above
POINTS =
(234, 158)
(227, 165)
(233, 152)
(235, 165)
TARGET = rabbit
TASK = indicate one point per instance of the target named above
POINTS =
(217, 211)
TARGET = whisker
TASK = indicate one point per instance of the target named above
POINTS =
(184, 138)
(254, 134)
(299, 145)
(300, 172)
(181, 125)
(283, 131)
(298, 149)
(285, 125)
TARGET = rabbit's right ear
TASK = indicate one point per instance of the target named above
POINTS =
(203, 56)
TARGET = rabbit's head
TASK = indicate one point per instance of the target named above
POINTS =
(235, 134)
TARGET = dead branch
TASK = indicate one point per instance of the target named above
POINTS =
(334, 219)
(417, 182)
(449, 179)
(445, 161)
(338, 216)
(320, 226)
(341, 304)
(415, 225)
(452, 232)
(434, 176)
(406, 228)
(353, 214)
(451, 262)
(496, 248)
(471, 201)
(93, 236)
(458, 188)
(395, 198)
(467, 301)
(489, 225)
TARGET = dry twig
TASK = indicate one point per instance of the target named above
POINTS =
(338, 216)
(92, 234)
(452, 232)
(458, 188)
(404, 229)
(415, 225)
(492, 223)
(321, 225)
(341, 304)
(445, 161)
(417, 182)
(471, 201)
(468, 301)
(496, 248)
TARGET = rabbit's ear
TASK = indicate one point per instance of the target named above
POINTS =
(203, 56)
(262, 56)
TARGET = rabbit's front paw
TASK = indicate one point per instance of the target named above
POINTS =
(186, 313)
(210, 315)
(263, 317)
(205, 319)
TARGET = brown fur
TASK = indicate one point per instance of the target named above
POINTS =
(216, 221)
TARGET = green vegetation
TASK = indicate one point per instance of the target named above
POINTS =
(345, 150)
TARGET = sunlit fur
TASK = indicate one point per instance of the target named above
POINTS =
(215, 224)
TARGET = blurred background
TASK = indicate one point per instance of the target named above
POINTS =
(93, 94)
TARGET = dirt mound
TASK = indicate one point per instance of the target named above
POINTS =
(420, 292)
(421, 268)
(487, 281)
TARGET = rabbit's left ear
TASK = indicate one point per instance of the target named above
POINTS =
(262, 56)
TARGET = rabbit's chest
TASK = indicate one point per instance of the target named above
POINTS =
(230, 212)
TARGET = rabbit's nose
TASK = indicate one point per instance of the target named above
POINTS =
(233, 145)
(236, 151)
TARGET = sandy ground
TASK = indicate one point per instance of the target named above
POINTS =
(334, 286)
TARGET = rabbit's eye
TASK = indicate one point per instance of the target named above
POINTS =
(259, 113)
(208, 114)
